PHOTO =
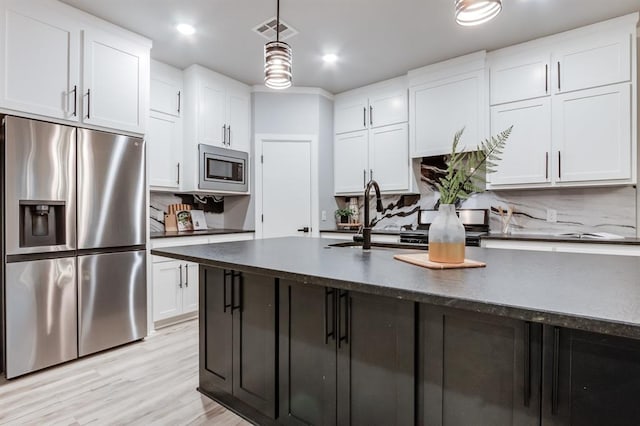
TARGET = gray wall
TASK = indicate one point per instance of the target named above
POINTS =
(291, 113)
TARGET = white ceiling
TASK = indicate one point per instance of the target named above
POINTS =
(375, 39)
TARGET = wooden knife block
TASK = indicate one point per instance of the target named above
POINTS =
(170, 220)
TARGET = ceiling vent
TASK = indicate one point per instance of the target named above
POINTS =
(267, 29)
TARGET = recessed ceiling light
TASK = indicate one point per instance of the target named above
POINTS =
(185, 29)
(330, 58)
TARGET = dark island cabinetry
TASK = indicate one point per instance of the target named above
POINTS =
(477, 369)
(590, 379)
(345, 358)
(238, 337)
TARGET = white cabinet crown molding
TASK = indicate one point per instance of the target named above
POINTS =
(260, 88)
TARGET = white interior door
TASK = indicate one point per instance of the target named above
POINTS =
(286, 188)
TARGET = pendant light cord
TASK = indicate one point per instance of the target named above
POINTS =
(278, 21)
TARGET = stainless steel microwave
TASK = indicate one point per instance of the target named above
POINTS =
(223, 169)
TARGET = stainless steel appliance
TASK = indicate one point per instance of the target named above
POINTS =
(223, 169)
(475, 221)
(74, 242)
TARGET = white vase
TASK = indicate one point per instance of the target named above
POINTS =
(446, 236)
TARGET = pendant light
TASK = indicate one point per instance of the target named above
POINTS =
(475, 12)
(277, 60)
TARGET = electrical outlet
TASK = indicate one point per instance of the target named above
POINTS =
(324, 215)
(552, 215)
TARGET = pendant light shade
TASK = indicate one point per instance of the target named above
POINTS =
(277, 65)
(476, 12)
(277, 60)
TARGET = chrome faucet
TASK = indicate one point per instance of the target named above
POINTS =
(366, 230)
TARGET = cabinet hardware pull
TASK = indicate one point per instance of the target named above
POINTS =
(370, 174)
(546, 165)
(75, 100)
(364, 178)
(371, 115)
(559, 166)
(229, 138)
(235, 275)
(179, 96)
(364, 117)
(546, 78)
(343, 295)
(180, 277)
(186, 275)
(178, 179)
(556, 370)
(226, 305)
(224, 134)
(88, 103)
(558, 76)
(328, 293)
(527, 363)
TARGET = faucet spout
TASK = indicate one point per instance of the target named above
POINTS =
(366, 230)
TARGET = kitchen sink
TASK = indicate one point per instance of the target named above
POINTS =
(383, 246)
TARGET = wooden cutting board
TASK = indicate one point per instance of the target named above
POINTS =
(422, 259)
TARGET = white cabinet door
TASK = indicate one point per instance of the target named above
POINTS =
(167, 293)
(526, 157)
(40, 50)
(437, 110)
(389, 157)
(351, 160)
(351, 114)
(114, 92)
(387, 108)
(592, 134)
(238, 120)
(164, 145)
(595, 61)
(190, 289)
(166, 89)
(211, 114)
(520, 78)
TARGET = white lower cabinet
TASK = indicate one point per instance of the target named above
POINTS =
(175, 288)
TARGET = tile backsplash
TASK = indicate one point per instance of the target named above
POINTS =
(159, 202)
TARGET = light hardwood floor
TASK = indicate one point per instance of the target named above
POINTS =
(146, 383)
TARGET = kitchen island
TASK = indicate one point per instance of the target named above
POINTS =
(293, 331)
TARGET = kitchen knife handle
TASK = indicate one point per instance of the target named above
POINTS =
(75, 100)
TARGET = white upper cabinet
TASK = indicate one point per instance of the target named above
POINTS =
(596, 60)
(238, 115)
(211, 113)
(40, 48)
(519, 78)
(114, 92)
(371, 140)
(389, 162)
(527, 153)
(373, 106)
(166, 89)
(164, 147)
(42, 73)
(579, 126)
(351, 162)
(351, 114)
(592, 134)
(444, 98)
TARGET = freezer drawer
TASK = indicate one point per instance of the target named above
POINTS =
(111, 190)
(41, 314)
(112, 293)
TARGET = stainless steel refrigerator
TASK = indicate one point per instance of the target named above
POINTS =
(74, 242)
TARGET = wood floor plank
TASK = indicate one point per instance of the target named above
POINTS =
(144, 383)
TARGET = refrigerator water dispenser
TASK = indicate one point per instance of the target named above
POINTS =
(42, 223)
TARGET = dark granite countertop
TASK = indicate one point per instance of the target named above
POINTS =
(596, 293)
(560, 239)
(355, 231)
(210, 231)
